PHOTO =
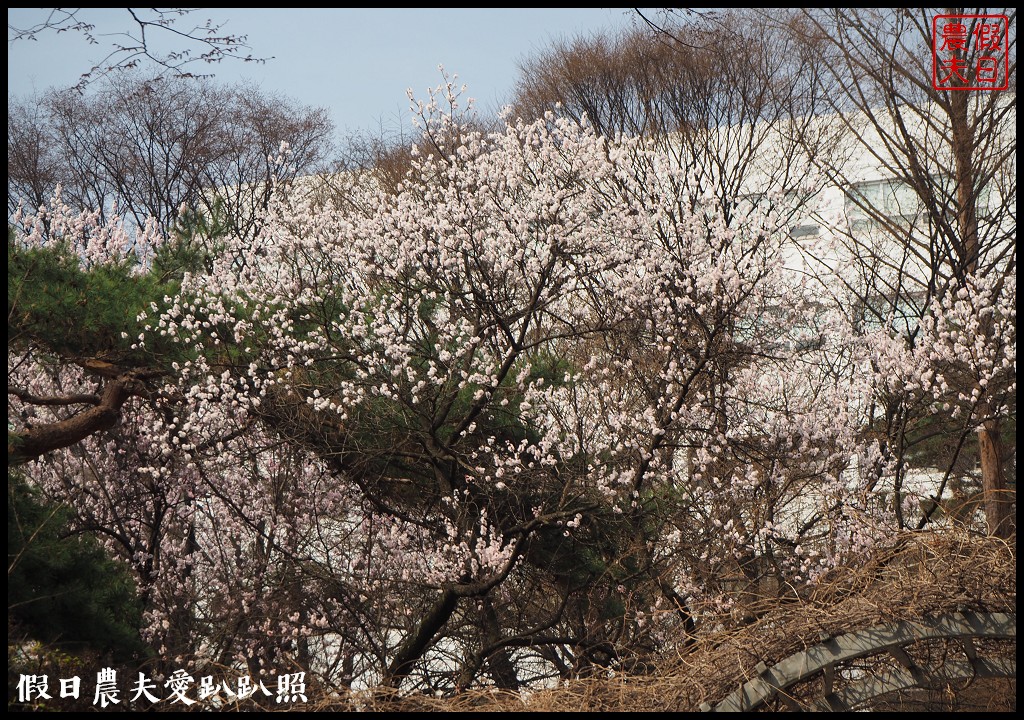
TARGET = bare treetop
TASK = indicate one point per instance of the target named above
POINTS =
(147, 28)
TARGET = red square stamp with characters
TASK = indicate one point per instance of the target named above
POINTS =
(970, 52)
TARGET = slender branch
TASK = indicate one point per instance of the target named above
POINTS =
(128, 48)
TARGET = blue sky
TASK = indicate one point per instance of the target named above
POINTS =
(356, 62)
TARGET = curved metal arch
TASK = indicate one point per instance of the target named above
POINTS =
(861, 691)
(890, 637)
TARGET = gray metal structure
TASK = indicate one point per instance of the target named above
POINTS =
(890, 638)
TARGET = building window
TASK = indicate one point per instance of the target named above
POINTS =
(869, 202)
(802, 231)
(891, 198)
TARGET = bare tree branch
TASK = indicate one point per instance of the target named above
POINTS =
(205, 42)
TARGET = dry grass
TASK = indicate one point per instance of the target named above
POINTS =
(919, 576)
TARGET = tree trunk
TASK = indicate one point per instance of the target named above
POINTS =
(416, 644)
(993, 481)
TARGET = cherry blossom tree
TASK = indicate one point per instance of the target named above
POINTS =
(522, 415)
(726, 100)
(942, 218)
(942, 234)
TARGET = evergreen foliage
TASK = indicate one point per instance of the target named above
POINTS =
(65, 589)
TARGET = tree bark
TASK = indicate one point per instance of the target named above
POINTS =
(32, 442)
(993, 481)
(414, 646)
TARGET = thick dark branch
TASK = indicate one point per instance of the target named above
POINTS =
(533, 641)
(26, 397)
(416, 644)
(30, 443)
(437, 617)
